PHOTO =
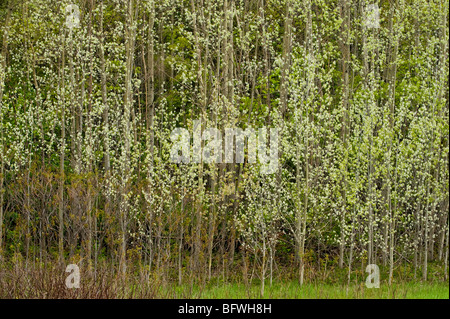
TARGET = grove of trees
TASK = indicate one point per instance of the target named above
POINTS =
(362, 113)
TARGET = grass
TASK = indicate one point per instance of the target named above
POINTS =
(292, 290)
(21, 281)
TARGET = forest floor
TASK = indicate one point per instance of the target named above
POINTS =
(19, 281)
(292, 290)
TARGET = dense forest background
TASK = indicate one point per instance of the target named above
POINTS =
(362, 112)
